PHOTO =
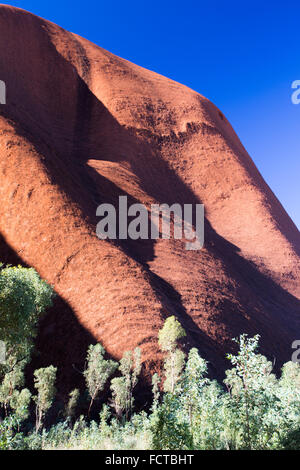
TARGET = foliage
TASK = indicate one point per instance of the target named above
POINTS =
(169, 432)
(155, 390)
(23, 297)
(122, 387)
(98, 371)
(170, 333)
(253, 402)
(72, 404)
(168, 338)
(10, 439)
(44, 380)
(252, 410)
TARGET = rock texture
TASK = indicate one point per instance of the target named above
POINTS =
(81, 127)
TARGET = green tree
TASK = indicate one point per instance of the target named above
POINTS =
(168, 338)
(119, 395)
(44, 382)
(192, 383)
(251, 386)
(98, 371)
(11, 382)
(23, 297)
(72, 404)
(208, 424)
(288, 394)
(20, 405)
(155, 390)
(168, 431)
(122, 387)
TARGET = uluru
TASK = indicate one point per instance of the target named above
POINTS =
(82, 127)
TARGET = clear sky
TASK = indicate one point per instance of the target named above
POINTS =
(242, 55)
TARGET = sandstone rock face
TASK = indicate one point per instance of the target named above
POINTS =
(82, 127)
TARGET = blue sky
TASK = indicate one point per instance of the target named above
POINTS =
(243, 56)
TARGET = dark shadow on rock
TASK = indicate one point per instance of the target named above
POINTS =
(61, 340)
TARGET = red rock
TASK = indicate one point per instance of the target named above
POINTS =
(81, 127)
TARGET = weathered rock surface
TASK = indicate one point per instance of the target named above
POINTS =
(81, 127)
